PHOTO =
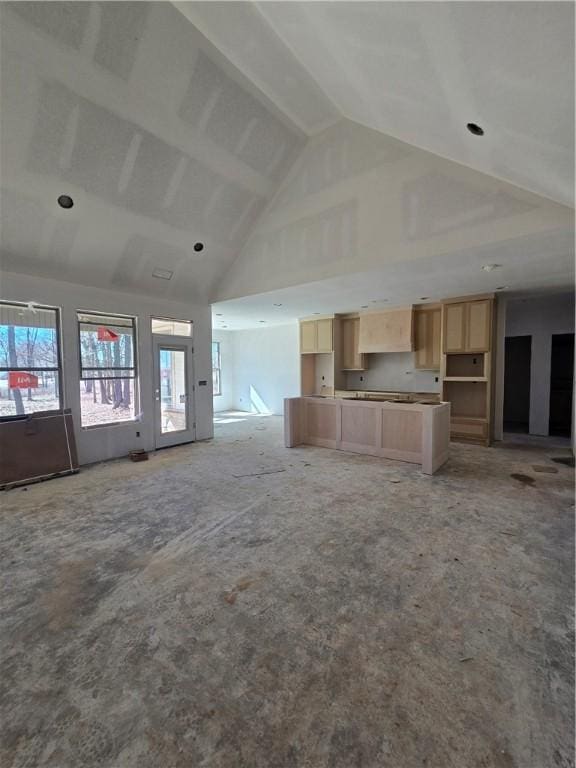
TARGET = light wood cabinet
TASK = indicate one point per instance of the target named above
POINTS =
(351, 357)
(391, 331)
(428, 324)
(467, 326)
(454, 328)
(467, 367)
(324, 336)
(479, 326)
(308, 337)
(316, 336)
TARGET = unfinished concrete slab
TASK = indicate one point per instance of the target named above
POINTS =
(236, 604)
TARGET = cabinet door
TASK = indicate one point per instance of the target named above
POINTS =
(455, 327)
(478, 326)
(435, 338)
(359, 360)
(421, 351)
(352, 360)
(347, 344)
(428, 323)
(324, 339)
(308, 337)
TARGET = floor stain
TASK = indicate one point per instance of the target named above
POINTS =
(525, 479)
(544, 469)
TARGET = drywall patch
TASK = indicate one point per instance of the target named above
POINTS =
(65, 22)
(341, 152)
(327, 237)
(121, 28)
(235, 120)
(436, 203)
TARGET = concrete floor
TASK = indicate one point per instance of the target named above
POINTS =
(338, 611)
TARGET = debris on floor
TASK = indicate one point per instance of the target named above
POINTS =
(138, 454)
(258, 474)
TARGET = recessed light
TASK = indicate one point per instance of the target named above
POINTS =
(491, 267)
(424, 298)
(261, 321)
(475, 129)
(364, 306)
(276, 305)
(316, 313)
(502, 287)
(163, 274)
(198, 247)
(65, 201)
(219, 314)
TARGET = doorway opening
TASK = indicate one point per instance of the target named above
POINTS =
(561, 384)
(518, 358)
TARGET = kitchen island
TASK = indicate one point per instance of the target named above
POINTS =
(417, 432)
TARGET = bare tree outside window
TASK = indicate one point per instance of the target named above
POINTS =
(107, 368)
(29, 360)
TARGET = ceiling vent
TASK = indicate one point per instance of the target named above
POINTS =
(163, 274)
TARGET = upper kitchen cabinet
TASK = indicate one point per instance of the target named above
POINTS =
(428, 327)
(479, 327)
(351, 358)
(391, 331)
(308, 337)
(324, 335)
(316, 336)
(467, 326)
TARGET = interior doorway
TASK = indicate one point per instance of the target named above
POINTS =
(561, 384)
(518, 357)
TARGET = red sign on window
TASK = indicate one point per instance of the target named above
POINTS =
(105, 334)
(18, 380)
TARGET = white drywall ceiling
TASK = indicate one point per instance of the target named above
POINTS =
(160, 142)
(522, 270)
(167, 131)
(420, 71)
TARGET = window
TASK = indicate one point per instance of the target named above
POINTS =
(30, 369)
(216, 369)
(168, 327)
(107, 368)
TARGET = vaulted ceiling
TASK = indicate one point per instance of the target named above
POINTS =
(173, 124)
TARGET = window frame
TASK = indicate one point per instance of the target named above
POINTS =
(134, 324)
(189, 336)
(59, 371)
(219, 369)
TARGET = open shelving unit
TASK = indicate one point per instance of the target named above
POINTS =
(466, 368)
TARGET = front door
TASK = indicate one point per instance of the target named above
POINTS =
(173, 392)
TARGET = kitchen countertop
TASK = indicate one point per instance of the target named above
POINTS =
(370, 394)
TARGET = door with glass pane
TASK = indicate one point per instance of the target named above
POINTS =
(173, 389)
